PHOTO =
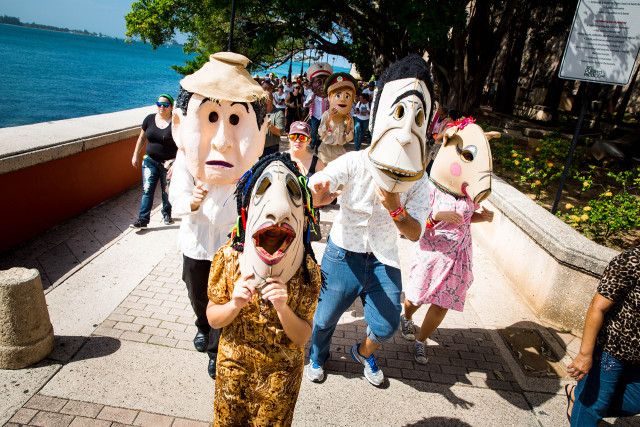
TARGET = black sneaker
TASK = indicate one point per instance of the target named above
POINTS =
(139, 224)
(168, 220)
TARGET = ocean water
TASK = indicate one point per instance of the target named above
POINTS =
(49, 75)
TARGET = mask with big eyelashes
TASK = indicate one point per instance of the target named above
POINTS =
(463, 164)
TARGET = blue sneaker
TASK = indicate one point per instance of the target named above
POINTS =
(315, 372)
(371, 370)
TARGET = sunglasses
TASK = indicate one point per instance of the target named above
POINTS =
(298, 137)
(163, 104)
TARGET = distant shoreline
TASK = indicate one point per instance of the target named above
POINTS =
(12, 20)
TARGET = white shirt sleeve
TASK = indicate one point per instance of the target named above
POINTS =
(308, 100)
(181, 187)
(336, 172)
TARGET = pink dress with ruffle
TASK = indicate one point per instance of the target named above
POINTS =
(441, 262)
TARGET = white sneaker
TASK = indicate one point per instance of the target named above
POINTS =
(315, 372)
(371, 370)
(407, 328)
(420, 356)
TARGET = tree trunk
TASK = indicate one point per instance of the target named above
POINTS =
(625, 100)
(508, 84)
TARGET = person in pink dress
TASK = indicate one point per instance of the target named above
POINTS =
(441, 263)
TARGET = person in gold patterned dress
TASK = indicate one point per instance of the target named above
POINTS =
(265, 318)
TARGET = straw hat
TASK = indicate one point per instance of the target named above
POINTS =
(224, 77)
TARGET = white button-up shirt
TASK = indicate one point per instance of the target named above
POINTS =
(205, 230)
(363, 224)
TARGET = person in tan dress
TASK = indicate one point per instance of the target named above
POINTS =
(263, 292)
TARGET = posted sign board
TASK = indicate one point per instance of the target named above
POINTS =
(604, 42)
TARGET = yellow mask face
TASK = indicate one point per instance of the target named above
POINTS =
(463, 164)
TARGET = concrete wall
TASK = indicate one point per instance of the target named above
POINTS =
(552, 266)
(51, 171)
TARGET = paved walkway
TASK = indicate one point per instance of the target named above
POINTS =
(124, 354)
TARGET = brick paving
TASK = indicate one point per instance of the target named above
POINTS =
(52, 411)
(158, 312)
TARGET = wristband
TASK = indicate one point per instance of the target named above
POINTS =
(396, 212)
(399, 216)
(430, 221)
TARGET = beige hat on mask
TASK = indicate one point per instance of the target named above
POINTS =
(224, 77)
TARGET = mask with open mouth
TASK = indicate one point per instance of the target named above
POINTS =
(274, 214)
(401, 114)
(463, 164)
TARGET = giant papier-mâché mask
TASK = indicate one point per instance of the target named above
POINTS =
(463, 164)
(401, 114)
(341, 91)
(274, 216)
(318, 74)
(219, 119)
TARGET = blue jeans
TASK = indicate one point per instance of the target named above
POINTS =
(349, 275)
(315, 124)
(610, 389)
(360, 128)
(152, 172)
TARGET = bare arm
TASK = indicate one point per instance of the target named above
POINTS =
(409, 227)
(142, 140)
(581, 365)
(220, 315)
(298, 330)
(485, 215)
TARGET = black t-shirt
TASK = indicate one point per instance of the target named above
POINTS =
(160, 145)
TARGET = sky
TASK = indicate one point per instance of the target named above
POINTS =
(96, 16)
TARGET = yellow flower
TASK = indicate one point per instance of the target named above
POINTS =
(568, 206)
(514, 155)
(550, 164)
(537, 148)
(516, 163)
(587, 208)
(526, 159)
(575, 224)
(585, 184)
(537, 182)
(584, 217)
(608, 194)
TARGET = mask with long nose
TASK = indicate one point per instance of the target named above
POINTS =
(396, 158)
(275, 224)
(463, 164)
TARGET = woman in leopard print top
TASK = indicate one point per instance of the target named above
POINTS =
(608, 364)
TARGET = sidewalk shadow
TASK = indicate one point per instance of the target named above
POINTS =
(440, 422)
(68, 347)
(472, 356)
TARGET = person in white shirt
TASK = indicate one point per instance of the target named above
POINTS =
(362, 112)
(219, 126)
(317, 102)
(384, 191)
(370, 89)
(279, 98)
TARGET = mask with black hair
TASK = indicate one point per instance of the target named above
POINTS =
(219, 119)
(274, 215)
(402, 111)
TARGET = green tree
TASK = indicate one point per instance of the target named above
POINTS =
(461, 36)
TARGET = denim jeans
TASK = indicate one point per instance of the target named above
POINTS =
(152, 172)
(360, 128)
(610, 389)
(315, 124)
(349, 275)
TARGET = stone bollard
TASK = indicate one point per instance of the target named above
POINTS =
(26, 334)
